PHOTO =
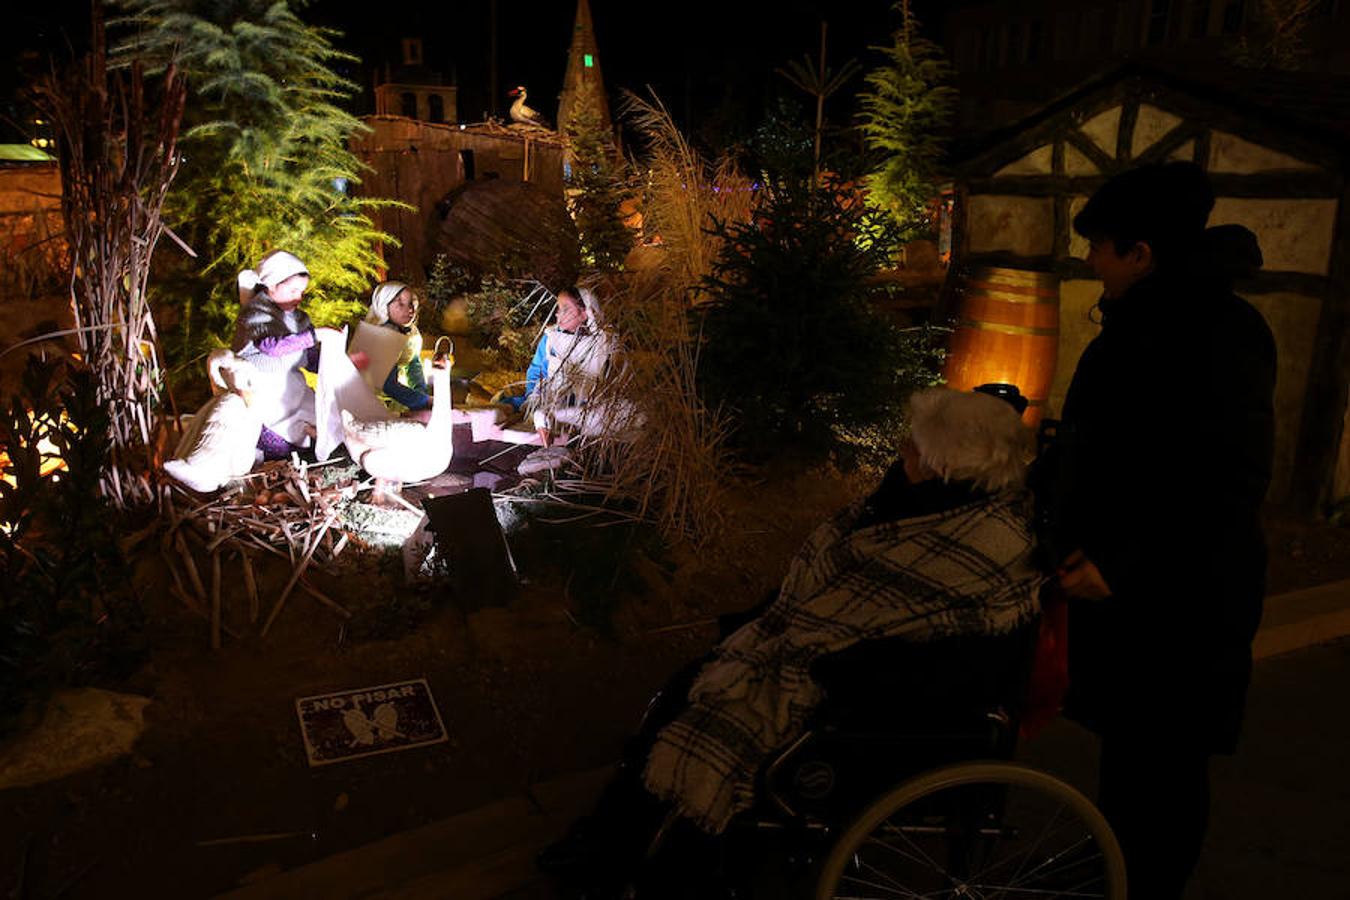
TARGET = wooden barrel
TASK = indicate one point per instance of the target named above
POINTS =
(1006, 330)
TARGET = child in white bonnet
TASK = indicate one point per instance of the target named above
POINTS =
(277, 338)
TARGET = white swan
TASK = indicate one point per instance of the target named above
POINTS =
(222, 439)
(405, 449)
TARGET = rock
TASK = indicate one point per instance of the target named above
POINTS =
(80, 728)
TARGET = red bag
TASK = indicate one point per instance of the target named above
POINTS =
(1049, 679)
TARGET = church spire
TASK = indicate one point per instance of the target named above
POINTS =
(583, 69)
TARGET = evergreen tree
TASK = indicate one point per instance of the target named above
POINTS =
(596, 184)
(904, 119)
(794, 346)
(266, 161)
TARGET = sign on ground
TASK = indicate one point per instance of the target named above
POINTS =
(368, 721)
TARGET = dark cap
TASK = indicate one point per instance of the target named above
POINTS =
(1165, 205)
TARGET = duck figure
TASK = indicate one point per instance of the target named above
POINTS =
(220, 442)
(522, 113)
(402, 450)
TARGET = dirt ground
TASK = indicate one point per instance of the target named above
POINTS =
(525, 694)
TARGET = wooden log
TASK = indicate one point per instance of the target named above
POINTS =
(173, 572)
(324, 599)
(225, 535)
(188, 563)
(295, 577)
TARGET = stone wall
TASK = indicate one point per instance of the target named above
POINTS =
(420, 163)
(30, 204)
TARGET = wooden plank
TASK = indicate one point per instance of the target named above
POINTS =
(1320, 431)
(1271, 185)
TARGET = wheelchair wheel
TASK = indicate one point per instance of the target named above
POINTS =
(976, 831)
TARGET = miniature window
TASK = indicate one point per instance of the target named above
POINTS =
(1199, 18)
(1159, 17)
(435, 108)
(408, 104)
(412, 51)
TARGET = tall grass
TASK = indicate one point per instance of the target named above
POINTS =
(659, 450)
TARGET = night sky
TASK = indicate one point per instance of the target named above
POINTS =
(711, 61)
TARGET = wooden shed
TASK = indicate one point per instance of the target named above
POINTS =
(1275, 147)
(421, 163)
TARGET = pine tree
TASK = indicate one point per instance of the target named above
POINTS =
(904, 118)
(265, 144)
(596, 184)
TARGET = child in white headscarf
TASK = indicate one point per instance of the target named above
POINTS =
(394, 305)
(277, 338)
(568, 360)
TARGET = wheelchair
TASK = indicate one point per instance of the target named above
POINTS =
(903, 786)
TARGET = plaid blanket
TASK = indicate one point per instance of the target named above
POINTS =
(963, 571)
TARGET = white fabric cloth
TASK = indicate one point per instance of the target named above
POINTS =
(576, 362)
(384, 347)
(963, 571)
(340, 387)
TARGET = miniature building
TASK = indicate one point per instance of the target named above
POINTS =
(1274, 145)
(30, 197)
(415, 91)
(421, 163)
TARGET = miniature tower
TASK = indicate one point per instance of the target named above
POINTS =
(583, 69)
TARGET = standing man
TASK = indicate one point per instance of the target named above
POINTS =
(1166, 441)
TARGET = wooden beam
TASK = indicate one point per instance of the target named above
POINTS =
(1037, 185)
(1129, 114)
(1089, 148)
(1169, 143)
(1264, 185)
(1201, 155)
(1315, 286)
(1279, 185)
(1321, 426)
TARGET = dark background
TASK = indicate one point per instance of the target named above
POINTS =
(711, 61)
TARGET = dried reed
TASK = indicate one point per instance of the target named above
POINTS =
(650, 445)
(117, 152)
(684, 194)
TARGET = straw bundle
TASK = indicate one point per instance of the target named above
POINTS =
(118, 156)
(291, 512)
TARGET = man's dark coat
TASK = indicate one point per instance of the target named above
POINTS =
(1168, 435)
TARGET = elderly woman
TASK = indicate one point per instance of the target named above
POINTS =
(944, 547)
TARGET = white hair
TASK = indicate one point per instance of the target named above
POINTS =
(967, 436)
